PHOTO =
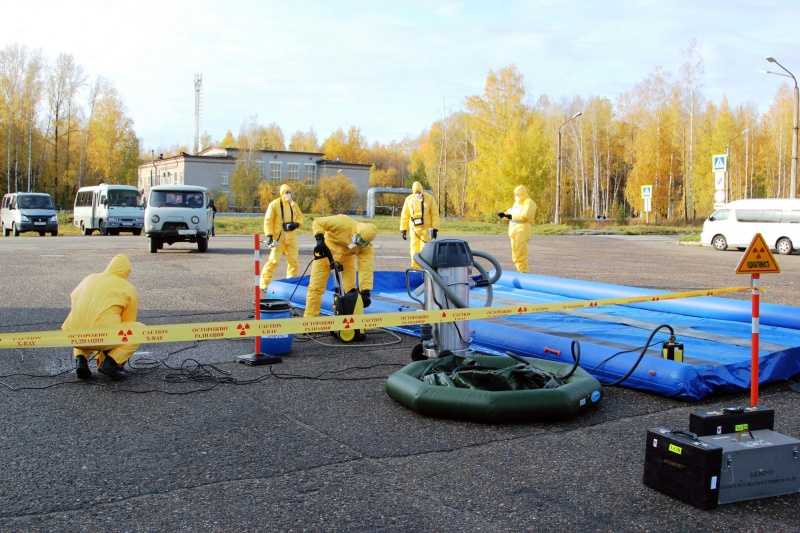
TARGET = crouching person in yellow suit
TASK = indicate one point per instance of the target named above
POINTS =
(521, 216)
(103, 301)
(341, 239)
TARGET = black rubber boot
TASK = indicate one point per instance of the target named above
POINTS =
(82, 368)
(110, 368)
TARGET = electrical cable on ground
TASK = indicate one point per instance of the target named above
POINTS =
(639, 360)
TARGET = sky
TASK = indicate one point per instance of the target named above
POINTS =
(392, 68)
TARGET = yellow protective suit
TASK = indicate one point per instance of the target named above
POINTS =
(519, 227)
(105, 300)
(417, 217)
(279, 212)
(339, 231)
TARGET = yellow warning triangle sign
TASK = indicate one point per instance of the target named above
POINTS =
(758, 259)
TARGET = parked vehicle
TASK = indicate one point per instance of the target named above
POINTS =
(735, 225)
(178, 213)
(110, 209)
(28, 211)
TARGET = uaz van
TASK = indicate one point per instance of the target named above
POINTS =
(178, 213)
(736, 224)
(28, 211)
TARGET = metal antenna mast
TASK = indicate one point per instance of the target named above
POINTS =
(198, 86)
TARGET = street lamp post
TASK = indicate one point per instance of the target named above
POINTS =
(793, 187)
(558, 170)
(728, 165)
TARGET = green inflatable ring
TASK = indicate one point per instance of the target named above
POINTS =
(579, 392)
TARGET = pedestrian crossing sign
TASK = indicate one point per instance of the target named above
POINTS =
(720, 163)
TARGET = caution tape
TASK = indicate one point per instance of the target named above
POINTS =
(281, 326)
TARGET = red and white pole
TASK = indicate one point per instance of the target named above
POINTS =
(754, 343)
(258, 288)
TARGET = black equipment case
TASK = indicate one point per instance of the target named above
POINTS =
(709, 470)
(731, 420)
(677, 463)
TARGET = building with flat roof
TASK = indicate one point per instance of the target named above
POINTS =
(213, 167)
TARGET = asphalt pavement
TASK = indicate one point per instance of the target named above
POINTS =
(194, 441)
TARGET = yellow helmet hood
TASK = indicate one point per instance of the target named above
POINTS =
(366, 230)
(522, 192)
(119, 266)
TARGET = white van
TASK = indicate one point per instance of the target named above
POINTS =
(735, 225)
(110, 209)
(178, 213)
(28, 211)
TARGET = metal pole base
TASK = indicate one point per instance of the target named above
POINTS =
(256, 359)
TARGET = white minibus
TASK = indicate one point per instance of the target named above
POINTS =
(735, 225)
(109, 209)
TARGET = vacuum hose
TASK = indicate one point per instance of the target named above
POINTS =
(450, 294)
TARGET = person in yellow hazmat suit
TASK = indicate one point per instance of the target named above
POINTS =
(105, 300)
(280, 226)
(344, 240)
(420, 216)
(520, 217)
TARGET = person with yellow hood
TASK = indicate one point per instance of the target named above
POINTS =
(344, 240)
(521, 216)
(420, 216)
(103, 301)
(280, 226)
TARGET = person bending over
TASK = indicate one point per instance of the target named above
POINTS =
(341, 239)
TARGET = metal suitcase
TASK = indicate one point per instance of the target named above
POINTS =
(756, 464)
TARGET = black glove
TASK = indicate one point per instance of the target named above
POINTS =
(434, 233)
(293, 226)
(404, 233)
(501, 214)
(365, 298)
(269, 240)
(321, 249)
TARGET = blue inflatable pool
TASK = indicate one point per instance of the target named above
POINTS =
(715, 331)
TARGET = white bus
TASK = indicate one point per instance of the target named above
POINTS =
(109, 209)
(735, 225)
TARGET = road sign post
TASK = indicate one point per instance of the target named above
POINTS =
(647, 195)
(757, 260)
(719, 164)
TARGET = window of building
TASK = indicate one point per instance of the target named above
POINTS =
(181, 179)
(260, 166)
(294, 171)
(223, 178)
(311, 174)
(275, 170)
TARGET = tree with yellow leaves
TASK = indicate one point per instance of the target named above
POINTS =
(337, 193)
(350, 147)
(510, 144)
